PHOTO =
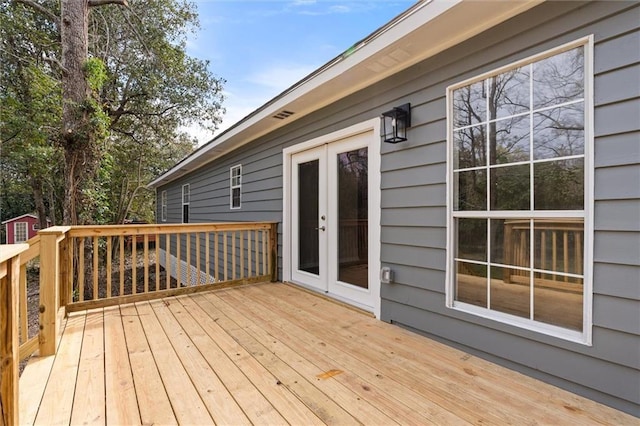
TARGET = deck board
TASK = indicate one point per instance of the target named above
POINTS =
(275, 354)
(153, 401)
(89, 407)
(121, 403)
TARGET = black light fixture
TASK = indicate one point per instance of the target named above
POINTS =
(395, 124)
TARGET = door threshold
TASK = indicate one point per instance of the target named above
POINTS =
(330, 297)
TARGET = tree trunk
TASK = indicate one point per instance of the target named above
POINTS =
(38, 197)
(74, 30)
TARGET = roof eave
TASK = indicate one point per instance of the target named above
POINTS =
(385, 52)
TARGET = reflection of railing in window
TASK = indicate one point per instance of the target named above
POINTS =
(353, 240)
(558, 248)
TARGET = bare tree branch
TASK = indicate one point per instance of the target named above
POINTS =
(41, 9)
(54, 61)
(96, 3)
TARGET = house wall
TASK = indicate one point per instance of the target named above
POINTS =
(414, 214)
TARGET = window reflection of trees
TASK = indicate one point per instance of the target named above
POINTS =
(519, 144)
(532, 113)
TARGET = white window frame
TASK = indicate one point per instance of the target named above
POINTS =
(186, 200)
(163, 206)
(585, 336)
(15, 232)
(237, 184)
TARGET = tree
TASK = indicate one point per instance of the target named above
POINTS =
(30, 115)
(127, 88)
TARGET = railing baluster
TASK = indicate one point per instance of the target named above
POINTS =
(146, 263)
(66, 277)
(156, 246)
(249, 264)
(579, 253)
(565, 253)
(543, 249)
(225, 259)
(109, 293)
(264, 252)
(233, 255)
(257, 248)
(554, 254)
(178, 269)
(273, 252)
(242, 254)
(134, 265)
(207, 261)
(121, 264)
(188, 258)
(167, 262)
(215, 255)
(198, 271)
(23, 312)
(96, 257)
(80, 243)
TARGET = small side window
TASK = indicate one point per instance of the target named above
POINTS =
(235, 195)
(163, 203)
(186, 199)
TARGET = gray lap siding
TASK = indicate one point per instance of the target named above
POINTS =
(413, 191)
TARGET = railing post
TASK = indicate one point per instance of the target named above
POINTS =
(9, 346)
(273, 250)
(49, 288)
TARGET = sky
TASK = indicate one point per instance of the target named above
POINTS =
(262, 47)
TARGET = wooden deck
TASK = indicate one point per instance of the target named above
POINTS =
(275, 354)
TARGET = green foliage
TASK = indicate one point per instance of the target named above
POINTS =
(144, 90)
(96, 73)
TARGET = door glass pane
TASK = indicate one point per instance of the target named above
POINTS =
(308, 196)
(353, 215)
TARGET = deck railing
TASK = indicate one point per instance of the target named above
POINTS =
(86, 267)
(558, 245)
(9, 347)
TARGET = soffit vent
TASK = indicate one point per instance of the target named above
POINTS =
(283, 114)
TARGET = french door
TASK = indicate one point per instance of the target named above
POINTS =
(330, 204)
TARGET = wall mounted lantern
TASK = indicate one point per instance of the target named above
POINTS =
(395, 124)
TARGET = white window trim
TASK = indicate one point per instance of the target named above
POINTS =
(15, 232)
(186, 187)
(584, 337)
(232, 186)
(163, 206)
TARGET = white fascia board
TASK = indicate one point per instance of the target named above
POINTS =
(447, 20)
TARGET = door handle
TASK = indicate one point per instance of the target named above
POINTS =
(321, 228)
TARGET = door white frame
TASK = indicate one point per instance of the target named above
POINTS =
(373, 128)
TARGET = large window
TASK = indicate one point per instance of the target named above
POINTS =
(519, 195)
(20, 232)
(186, 200)
(163, 206)
(235, 178)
